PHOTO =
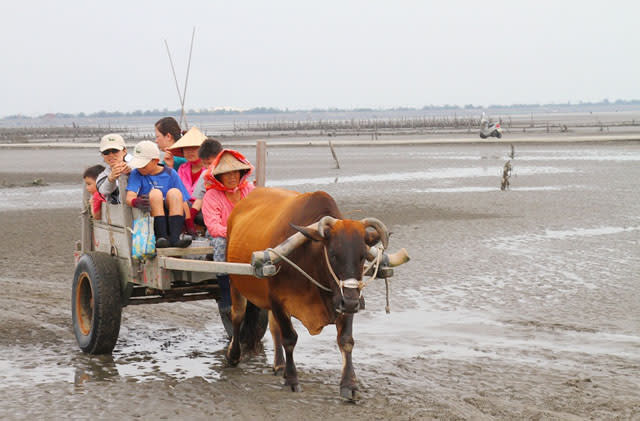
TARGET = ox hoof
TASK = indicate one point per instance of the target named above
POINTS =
(278, 371)
(295, 388)
(349, 394)
(233, 361)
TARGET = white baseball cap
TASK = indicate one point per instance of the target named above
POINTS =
(143, 153)
(111, 141)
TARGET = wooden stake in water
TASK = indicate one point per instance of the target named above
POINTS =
(506, 174)
(335, 157)
(261, 162)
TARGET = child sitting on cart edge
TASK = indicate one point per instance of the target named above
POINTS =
(158, 188)
(95, 201)
(208, 151)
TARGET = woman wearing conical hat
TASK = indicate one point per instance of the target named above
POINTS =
(188, 146)
(226, 183)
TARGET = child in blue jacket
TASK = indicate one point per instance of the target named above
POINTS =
(158, 188)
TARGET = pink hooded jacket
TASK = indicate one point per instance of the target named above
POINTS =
(184, 172)
(216, 208)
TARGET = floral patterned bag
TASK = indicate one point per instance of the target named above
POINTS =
(143, 239)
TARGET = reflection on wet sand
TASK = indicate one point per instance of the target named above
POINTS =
(517, 304)
(94, 368)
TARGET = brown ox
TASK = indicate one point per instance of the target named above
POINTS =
(266, 218)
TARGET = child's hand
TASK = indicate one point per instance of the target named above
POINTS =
(142, 203)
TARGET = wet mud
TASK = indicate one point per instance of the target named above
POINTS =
(522, 304)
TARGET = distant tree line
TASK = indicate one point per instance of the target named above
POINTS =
(271, 110)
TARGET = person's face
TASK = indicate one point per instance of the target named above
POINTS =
(90, 183)
(191, 153)
(230, 179)
(163, 140)
(150, 168)
(113, 156)
(208, 161)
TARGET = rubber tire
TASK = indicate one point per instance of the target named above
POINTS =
(498, 135)
(254, 318)
(96, 303)
(482, 136)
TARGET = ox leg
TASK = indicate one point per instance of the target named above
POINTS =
(348, 382)
(238, 308)
(289, 339)
(276, 334)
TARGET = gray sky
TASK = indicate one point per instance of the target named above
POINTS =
(74, 56)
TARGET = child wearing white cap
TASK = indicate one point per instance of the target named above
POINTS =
(114, 153)
(159, 189)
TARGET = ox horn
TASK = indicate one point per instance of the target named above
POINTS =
(380, 227)
(325, 223)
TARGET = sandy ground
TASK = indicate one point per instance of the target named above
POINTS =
(522, 304)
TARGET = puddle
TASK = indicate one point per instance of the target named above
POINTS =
(475, 189)
(50, 197)
(175, 353)
(520, 242)
(436, 174)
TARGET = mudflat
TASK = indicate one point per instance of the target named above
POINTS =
(516, 304)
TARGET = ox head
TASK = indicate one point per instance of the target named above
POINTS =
(345, 247)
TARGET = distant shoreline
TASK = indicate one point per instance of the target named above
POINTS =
(365, 142)
(508, 109)
(340, 128)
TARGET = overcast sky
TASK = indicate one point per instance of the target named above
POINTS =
(74, 56)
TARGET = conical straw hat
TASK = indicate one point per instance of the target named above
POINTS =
(228, 162)
(194, 137)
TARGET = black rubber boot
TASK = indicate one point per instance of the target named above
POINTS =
(160, 228)
(224, 303)
(199, 219)
(176, 223)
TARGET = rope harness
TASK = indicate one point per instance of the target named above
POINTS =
(348, 283)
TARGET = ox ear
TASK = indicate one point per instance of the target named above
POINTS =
(371, 237)
(311, 234)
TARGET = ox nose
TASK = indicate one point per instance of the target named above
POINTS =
(349, 305)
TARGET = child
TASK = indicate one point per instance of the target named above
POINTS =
(90, 175)
(114, 153)
(208, 152)
(159, 189)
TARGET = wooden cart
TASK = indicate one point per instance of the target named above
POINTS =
(107, 278)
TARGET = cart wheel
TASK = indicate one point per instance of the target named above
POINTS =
(96, 304)
(254, 325)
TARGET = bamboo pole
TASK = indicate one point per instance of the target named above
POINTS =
(261, 162)
(335, 157)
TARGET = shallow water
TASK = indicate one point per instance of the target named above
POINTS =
(515, 304)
